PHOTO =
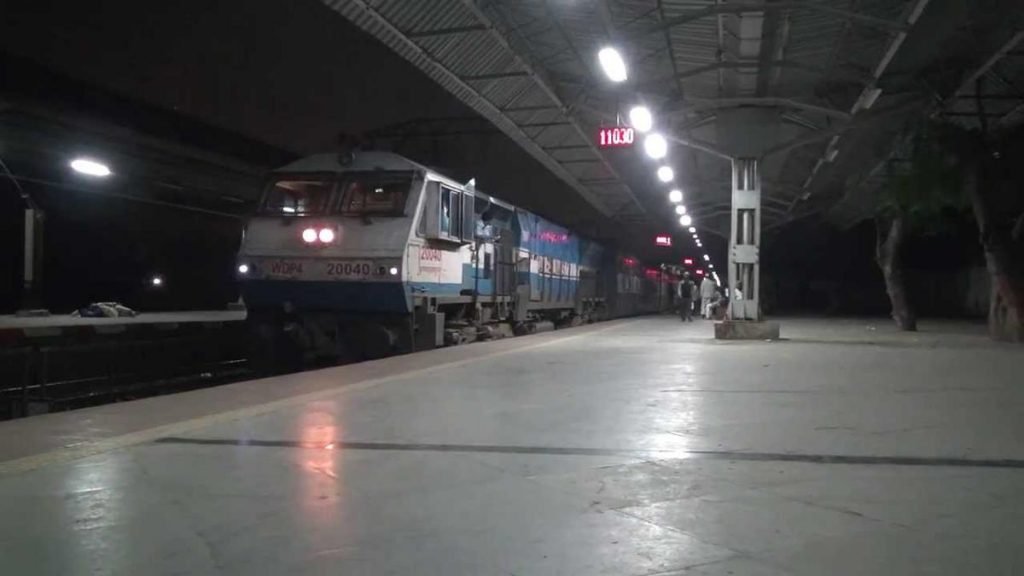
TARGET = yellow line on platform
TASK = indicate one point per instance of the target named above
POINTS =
(93, 448)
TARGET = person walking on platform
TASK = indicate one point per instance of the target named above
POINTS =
(707, 294)
(685, 291)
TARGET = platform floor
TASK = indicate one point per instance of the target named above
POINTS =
(9, 322)
(637, 447)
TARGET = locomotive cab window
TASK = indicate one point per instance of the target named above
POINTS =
(447, 214)
(374, 195)
(296, 197)
(451, 212)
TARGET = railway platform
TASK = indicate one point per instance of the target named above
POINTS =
(59, 361)
(632, 447)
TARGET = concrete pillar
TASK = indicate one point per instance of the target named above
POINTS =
(32, 271)
(745, 241)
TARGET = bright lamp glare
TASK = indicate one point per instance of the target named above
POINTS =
(243, 268)
(90, 167)
(693, 230)
(613, 64)
(640, 118)
(665, 174)
(326, 235)
(675, 196)
(157, 281)
(680, 209)
(393, 271)
(685, 220)
(656, 146)
(309, 235)
(706, 257)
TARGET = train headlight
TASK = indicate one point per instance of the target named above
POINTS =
(393, 270)
(326, 235)
(243, 268)
(309, 235)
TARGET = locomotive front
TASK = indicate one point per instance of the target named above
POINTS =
(331, 235)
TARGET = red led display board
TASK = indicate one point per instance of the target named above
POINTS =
(616, 137)
(662, 240)
(688, 261)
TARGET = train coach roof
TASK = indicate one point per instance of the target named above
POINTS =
(363, 161)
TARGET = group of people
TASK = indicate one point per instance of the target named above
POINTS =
(706, 295)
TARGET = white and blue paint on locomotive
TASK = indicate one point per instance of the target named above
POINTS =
(363, 267)
(401, 234)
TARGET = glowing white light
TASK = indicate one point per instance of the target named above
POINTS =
(706, 257)
(680, 209)
(656, 146)
(613, 64)
(157, 281)
(640, 118)
(693, 230)
(309, 235)
(243, 268)
(90, 167)
(326, 235)
(711, 266)
(675, 196)
(393, 271)
(288, 210)
(685, 220)
(665, 174)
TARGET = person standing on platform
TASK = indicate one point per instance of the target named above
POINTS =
(707, 294)
(685, 291)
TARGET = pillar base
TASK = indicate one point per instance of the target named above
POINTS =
(746, 330)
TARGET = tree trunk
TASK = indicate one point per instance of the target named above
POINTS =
(1006, 306)
(889, 246)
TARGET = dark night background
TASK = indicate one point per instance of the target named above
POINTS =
(250, 85)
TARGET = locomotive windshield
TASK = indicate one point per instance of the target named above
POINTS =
(373, 194)
(298, 196)
(356, 194)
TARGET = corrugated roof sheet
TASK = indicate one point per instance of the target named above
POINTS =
(529, 66)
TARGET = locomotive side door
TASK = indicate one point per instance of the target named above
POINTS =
(504, 266)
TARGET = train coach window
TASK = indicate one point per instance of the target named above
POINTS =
(296, 197)
(379, 196)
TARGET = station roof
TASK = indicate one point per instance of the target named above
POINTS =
(832, 81)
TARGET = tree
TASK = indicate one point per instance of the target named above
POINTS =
(1001, 233)
(918, 190)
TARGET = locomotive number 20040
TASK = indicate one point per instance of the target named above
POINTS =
(348, 269)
